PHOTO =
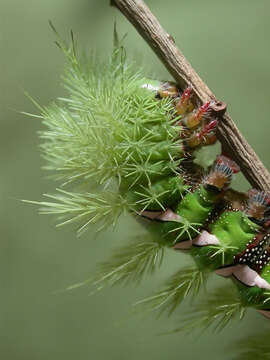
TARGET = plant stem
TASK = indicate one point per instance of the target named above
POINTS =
(233, 142)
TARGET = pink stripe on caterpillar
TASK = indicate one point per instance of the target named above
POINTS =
(205, 238)
(167, 215)
(246, 275)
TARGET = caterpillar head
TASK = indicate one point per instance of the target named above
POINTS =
(221, 174)
(167, 89)
(258, 208)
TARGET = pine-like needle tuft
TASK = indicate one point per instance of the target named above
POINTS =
(186, 281)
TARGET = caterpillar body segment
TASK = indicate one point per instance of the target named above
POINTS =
(252, 272)
(160, 195)
(195, 209)
(232, 231)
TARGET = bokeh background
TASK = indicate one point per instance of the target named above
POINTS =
(228, 44)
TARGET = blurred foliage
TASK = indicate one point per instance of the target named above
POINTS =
(215, 311)
(227, 42)
(253, 347)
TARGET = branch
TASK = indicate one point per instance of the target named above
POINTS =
(233, 142)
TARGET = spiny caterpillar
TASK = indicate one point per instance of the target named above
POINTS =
(123, 143)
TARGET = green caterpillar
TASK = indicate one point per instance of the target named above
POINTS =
(120, 142)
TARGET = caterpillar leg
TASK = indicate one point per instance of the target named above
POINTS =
(198, 122)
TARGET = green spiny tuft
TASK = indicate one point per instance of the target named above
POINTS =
(255, 346)
(159, 195)
(181, 229)
(86, 208)
(109, 133)
(220, 307)
(131, 262)
(186, 281)
(109, 126)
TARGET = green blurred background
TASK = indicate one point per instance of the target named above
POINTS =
(228, 44)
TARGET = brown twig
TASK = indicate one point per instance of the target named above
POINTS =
(233, 142)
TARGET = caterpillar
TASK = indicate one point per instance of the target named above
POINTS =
(123, 143)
